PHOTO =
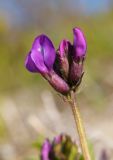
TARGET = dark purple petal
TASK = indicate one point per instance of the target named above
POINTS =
(37, 58)
(30, 65)
(75, 74)
(80, 45)
(44, 46)
(64, 47)
(46, 148)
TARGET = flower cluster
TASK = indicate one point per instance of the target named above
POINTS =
(61, 148)
(62, 68)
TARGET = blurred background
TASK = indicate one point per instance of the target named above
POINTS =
(29, 108)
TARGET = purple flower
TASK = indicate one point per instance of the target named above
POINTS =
(41, 59)
(42, 55)
(46, 148)
(79, 44)
(63, 68)
(61, 147)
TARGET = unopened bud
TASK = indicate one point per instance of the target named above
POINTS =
(76, 73)
(62, 62)
(80, 45)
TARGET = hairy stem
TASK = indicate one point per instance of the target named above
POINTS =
(80, 128)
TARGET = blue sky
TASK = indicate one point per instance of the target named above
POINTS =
(15, 12)
(89, 5)
(92, 6)
(11, 10)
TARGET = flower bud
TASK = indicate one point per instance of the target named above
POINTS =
(79, 44)
(62, 63)
(64, 48)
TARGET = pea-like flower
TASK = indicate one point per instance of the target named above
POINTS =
(61, 148)
(41, 59)
(42, 55)
(63, 68)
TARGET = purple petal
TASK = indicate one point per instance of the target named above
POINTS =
(29, 64)
(44, 46)
(37, 58)
(64, 47)
(80, 45)
(45, 150)
(58, 139)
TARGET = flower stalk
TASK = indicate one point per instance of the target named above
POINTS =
(80, 128)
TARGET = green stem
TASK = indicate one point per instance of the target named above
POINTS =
(80, 128)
